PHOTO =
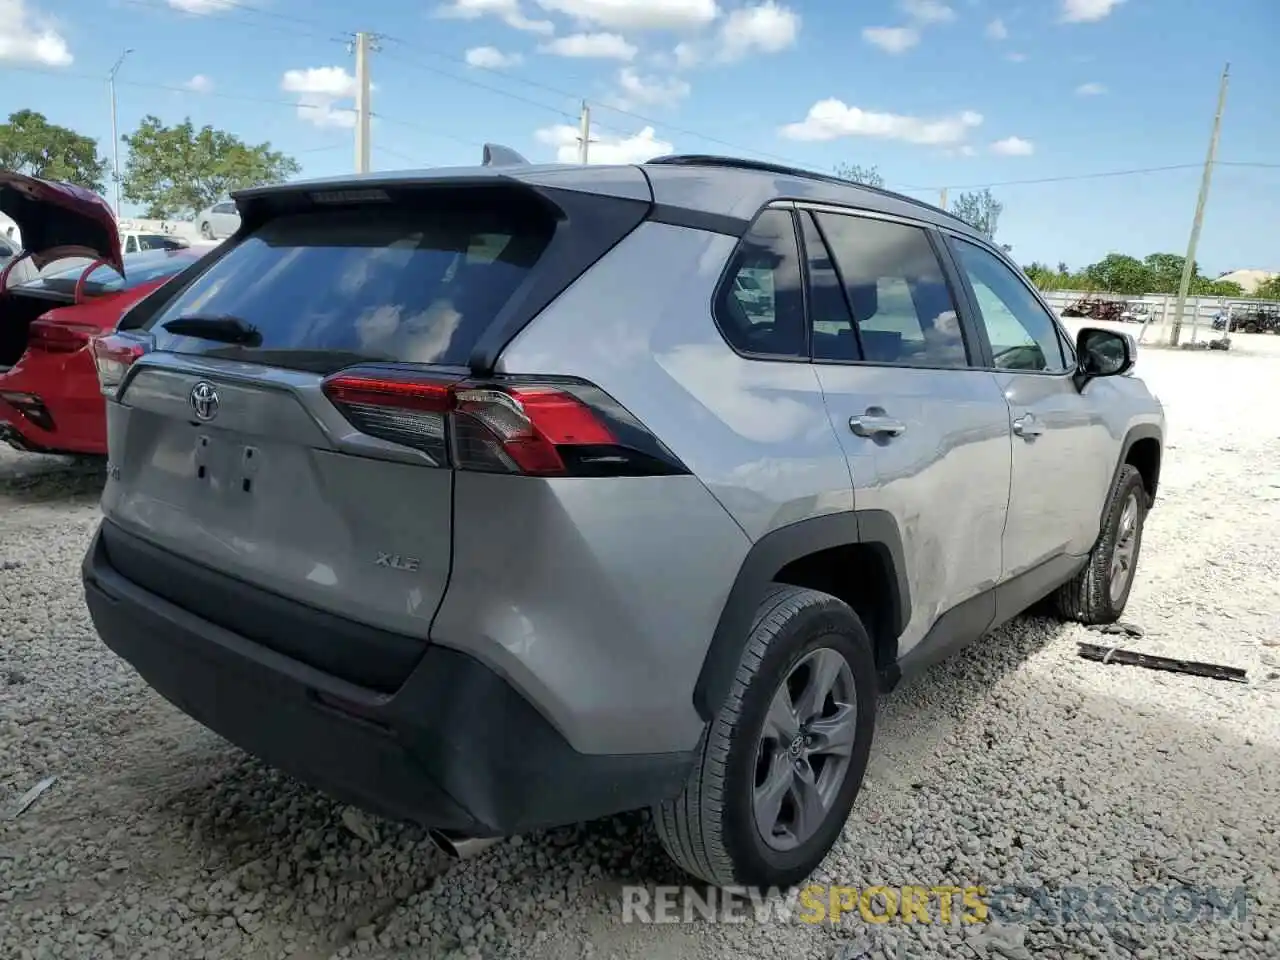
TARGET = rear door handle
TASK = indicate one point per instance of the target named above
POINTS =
(1027, 427)
(876, 425)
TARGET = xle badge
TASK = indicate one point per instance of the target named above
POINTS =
(394, 561)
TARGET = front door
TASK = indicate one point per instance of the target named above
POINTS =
(926, 433)
(1060, 470)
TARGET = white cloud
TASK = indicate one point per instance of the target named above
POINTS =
(996, 30)
(597, 46)
(200, 8)
(635, 149)
(1013, 147)
(27, 37)
(508, 11)
(968, 151)
(318, 89)
(199, 84)
(491, 58)
(892, 39)
(1087, 11)
(1015, 57)
(1091, 89)
(831, 119)
(649, 91)
(635, 14)
(768, 27)
(686, 55)
(927, 11)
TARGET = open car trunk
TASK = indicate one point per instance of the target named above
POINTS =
(60, 220)
(18, 311)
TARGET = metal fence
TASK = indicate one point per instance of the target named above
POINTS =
(1198, 313)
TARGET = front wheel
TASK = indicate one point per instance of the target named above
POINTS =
(781, 763)
(206, 230)
(1098, 593)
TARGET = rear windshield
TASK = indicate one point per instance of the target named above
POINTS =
(139, 269)
(410, 282)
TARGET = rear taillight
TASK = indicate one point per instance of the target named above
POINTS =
(51, 336)
(541, 428)
(113, 355)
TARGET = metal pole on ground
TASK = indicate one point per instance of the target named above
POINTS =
(1185, 284)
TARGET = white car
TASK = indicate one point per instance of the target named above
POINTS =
(219, 221)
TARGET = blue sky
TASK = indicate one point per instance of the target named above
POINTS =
(934, 93)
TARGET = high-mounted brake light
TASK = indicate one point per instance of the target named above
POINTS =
(50, 336)
(113, 355)
(542, 428)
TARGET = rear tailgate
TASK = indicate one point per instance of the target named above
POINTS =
(226, 453)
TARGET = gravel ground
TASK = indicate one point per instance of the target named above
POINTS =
(1015, 763)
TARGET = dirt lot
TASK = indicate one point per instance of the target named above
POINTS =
(1016, 763)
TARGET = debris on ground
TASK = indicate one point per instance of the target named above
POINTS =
(1195, 668)
(31, 796)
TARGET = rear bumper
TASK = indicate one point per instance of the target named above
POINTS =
(455, 747)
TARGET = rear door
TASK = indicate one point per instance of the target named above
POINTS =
(925, 432)
(1061, 445)
(228, 453)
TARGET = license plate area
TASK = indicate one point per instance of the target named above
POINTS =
(228, 465)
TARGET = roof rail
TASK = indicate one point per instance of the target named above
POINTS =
(738, 163)
(496, 155)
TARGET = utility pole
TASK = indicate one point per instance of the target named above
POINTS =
(365, 43)
(115, 133)
(584, 133)
(1189, 264)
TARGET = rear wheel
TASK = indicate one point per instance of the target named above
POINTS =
(1099, 592)
(206, 230)
(781, 763)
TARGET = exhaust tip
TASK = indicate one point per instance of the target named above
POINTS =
(460, 848)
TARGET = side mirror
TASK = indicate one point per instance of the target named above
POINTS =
(1103, 353)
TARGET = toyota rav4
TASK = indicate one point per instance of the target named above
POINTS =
(493, 499)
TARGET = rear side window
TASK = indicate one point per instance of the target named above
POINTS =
(896, 289)
(760, 308)
(418, 281)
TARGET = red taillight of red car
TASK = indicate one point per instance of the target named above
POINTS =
(51, 336)
(543, 428)
(113, 355)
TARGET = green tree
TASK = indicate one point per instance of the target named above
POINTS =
(179, 170)
(1166, 271)
(1269, 289)
(1062, 267)
(866, 175)
(30, 144)
(1119, 273)
(980, 210)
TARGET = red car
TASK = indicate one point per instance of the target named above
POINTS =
(50, 398)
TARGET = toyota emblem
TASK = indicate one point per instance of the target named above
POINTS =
(204, 400)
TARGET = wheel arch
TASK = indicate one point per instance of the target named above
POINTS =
(1142, 449)
(853, 550)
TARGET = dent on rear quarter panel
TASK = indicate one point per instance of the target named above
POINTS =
(595, 598)
(639, 325)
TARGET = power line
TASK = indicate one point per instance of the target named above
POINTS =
(1137, 171)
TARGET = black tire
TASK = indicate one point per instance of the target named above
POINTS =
(206, 230)
(1087, 597)
(710, 829)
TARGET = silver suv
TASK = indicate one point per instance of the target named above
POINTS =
(479, 498)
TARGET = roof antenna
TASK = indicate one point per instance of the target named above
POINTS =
(496, 155)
